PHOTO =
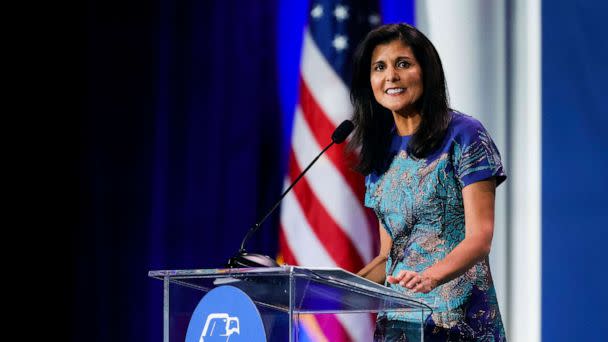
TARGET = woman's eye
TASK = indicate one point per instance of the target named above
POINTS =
(403, 64)
(378, 67)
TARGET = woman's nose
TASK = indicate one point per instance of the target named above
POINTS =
(392, 75)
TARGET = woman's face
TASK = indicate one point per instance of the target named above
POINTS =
(396, 77)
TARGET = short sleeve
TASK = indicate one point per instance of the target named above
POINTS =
(477, 157)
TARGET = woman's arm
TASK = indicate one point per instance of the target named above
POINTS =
(478, 201)
(376, 269)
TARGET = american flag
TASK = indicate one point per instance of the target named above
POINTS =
(323, 221)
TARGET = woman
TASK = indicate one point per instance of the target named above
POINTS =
(428, 171)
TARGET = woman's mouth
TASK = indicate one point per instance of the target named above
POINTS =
(393, 91)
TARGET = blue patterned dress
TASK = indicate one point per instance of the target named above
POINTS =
(419, 202)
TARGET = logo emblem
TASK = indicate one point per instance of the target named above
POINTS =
(225, 314)
(225, 325)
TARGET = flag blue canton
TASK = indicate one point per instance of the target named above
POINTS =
(337, 27)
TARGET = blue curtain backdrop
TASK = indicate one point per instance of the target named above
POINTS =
(574, 159)
(179, 152)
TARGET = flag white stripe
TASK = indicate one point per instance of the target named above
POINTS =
(298, 234)
(324, 84)
(360, 326)
(331, 189)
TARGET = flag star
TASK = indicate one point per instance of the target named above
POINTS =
(340, 42)
(374, 19)
(317, 11)
(341, 12)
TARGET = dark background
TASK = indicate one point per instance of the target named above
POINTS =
(179, 152)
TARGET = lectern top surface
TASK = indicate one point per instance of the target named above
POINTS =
(270, 284)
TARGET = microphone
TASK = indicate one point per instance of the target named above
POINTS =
(341, 133)
(244, 259)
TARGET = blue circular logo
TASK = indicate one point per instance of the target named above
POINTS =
(226, 314)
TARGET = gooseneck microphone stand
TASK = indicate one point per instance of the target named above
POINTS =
(244, 259)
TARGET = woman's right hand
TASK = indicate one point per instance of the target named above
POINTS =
(417, 282)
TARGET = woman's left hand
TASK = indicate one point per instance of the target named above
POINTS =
(417, 282)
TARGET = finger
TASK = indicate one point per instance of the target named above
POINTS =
(397, 278)
(407, 278)
(394, 279)
(413, 282)
(402, 274)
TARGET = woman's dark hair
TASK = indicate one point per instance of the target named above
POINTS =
(374, 123)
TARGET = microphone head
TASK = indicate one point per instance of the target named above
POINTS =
(342, 132)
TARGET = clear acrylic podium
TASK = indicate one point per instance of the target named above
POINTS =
(283, 295)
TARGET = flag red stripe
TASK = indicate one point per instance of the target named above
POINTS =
(322, 129)
(332, 328)
(337, 244)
